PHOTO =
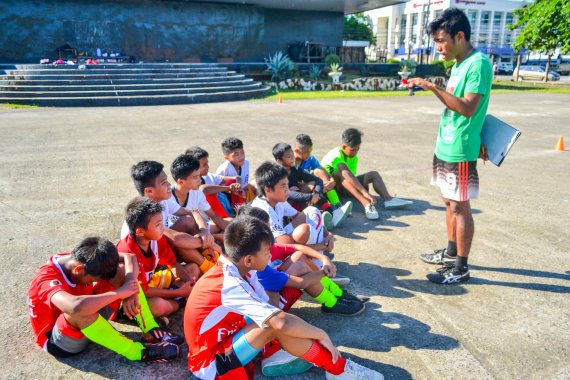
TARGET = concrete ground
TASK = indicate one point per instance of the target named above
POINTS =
(65, 176)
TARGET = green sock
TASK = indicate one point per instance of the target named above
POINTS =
(331, 286)
(326, 298)
(101, 332)
(332, 196)
(144, 318)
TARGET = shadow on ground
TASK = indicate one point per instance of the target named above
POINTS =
(523, 285)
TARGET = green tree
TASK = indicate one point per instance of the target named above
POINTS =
(357, 27)
(545, 26)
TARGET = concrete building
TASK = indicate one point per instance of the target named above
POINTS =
(399, 29)
(172, 30)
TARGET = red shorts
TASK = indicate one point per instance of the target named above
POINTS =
(287, 297)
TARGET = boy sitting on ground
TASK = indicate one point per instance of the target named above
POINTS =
(165, 282)
(306, 189)
(304, 227)
(228, 321)
(71, 296)
(151, 181)
(341, 163)
(213, 184)
(236, 165)
(187, 193)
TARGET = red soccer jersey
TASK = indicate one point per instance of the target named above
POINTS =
(162, 255)
(215, 312)
(281, 251)
(48, 280)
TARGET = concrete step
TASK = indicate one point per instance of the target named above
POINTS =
(139, 100)
(107, 81)
(128, 93)
(7, 66)
(82, 75)
(34, 87)
(91, 71)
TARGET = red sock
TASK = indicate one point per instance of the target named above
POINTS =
(321, 357)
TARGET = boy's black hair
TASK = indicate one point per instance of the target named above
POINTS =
(304, 140)
(98, 255)
(452, 21)
(197, 152)
(230, 144)
(244, 235)
(144, 174)
(280, 149)
(256, 212)
(183, 166)
(352, 137)
(139, 211)
(268, 174)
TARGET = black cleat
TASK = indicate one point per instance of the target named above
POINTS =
(449, 275)
(345, 307)
(439, 256)
(162, 335)
(354, 297)
(160, 353)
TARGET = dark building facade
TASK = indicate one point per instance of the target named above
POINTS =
(176, 30)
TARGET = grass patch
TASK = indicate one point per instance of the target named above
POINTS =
(507, 86)
(15, 106)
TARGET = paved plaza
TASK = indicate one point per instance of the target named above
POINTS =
(65, 176)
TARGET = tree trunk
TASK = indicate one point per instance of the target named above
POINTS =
(547, 68)
(518, 68)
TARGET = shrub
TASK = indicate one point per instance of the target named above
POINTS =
(332, 58)
(314, 72)
(280, 66)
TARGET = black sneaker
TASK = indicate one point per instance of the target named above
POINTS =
(439, 256)
(449, 275)
(161, 352)
(162, 335)
(354, 297)
(345, 307)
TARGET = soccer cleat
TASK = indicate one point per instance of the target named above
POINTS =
(352, 297)
(328, 220)
(439, 256)
(345, 307)
(161, 352)
(355, 371)
(340, 214)
(162, 335)
(449, 275)
(340, 280)
(282, 363)
(371, 212)
(397, 203)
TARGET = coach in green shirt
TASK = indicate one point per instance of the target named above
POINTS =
(458, 145)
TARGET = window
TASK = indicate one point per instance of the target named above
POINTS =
(485, 15)
(403, 27)
(509, 18)
(482, 40)
(414, 28)
(497, 22)
(472, 16)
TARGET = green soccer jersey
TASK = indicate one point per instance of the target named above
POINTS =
(336, 156)
(459, 137)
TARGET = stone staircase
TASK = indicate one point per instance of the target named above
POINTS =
(124, 84)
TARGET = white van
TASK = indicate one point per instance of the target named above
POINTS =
(505, 67)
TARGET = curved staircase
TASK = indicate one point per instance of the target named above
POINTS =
(124, 84)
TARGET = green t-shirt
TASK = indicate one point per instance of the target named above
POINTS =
(336, 156)
(459, 137)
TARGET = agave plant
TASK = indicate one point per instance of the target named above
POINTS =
(280, 66)
(314, 72)
(335, 68)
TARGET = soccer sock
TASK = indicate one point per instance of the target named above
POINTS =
(206, 265)
(333, 197)
(451, 248)
(329, 285)
(144, 318)
(101, 332)
(326, 298)
(322, 358)
(461, 263)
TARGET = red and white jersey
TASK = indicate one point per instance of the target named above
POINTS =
(47, 281)
(215, 312)
(161, 255)
(226, 169)
(277, 215)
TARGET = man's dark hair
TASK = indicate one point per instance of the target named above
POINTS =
(197, 153)
(183, 166)
(98, 255)
(244, 235)
(452, 21)
(230, 144)
(304, 140)
(280, 149)
(267, 175)
(139, 211)
(144, 174)
(256, 212)
(352, 137)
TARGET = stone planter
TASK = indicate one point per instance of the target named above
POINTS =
(335, 77)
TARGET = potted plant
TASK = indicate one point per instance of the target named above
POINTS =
(407, 68)
(335, 71)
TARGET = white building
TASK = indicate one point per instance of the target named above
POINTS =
(399, 29)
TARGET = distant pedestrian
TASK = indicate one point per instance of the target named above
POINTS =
(495, 70)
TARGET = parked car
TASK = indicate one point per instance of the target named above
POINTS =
(535, 73)
(505, 67)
